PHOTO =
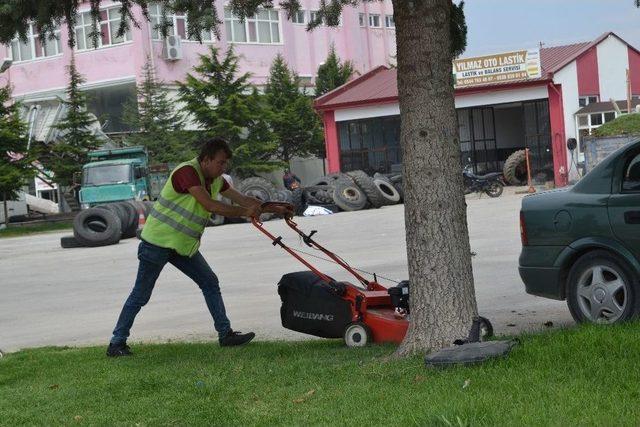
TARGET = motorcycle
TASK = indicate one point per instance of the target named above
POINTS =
(492, 183)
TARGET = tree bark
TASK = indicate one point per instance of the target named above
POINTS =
(442, 295)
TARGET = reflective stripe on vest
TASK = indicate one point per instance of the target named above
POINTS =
(174, 224)
(189, 216)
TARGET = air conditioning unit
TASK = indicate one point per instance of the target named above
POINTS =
(172, 48)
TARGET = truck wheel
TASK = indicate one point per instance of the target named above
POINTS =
(388, 191)
(330, 179)
(259, 188)
(129, 226)
(68, 242)
(357, 334)
(600, 289)
(97, 227)
(515, 168)
(349, 197)
(366, 183)
(319, 193)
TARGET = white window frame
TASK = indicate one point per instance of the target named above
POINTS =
(589, 127)
(389, 22)
(362, 19)
(301, 13)
(32, 38)
(84, 25)
(372, 17)
(254, 20)
(155, 15)
(312, 16)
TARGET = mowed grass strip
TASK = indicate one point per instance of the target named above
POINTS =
(588, 375)
(14, 231)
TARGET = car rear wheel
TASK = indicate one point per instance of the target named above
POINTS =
(600, 289)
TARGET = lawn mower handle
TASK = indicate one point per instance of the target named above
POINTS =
(370, 285)
(289, 206)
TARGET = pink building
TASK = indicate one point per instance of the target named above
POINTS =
(38, 75)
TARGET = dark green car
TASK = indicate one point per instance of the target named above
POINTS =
(582, 243)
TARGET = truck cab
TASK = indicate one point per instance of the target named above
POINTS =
(115, 175)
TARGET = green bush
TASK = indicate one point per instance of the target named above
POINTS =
(627, 124)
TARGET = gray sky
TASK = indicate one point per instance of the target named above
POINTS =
(503, 25)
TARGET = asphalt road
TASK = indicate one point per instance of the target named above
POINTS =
(55, 296)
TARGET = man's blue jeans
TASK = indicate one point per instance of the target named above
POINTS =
(152, 260)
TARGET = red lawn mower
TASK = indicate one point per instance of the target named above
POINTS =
(316, 304)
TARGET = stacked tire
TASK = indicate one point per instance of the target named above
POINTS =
(106, 224)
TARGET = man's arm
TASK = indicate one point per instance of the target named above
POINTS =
(204, 198)
(253, 203)
(240, 199)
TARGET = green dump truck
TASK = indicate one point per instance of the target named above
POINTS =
(119, 174)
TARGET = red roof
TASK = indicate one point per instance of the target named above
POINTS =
(380, 85)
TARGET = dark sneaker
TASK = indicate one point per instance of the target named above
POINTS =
(117, 350)
(236, 338)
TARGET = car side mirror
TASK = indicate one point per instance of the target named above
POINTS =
(77, 178)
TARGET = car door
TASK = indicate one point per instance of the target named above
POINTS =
(624, 203)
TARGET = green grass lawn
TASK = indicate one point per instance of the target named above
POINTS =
(582, 376)
(13, 231)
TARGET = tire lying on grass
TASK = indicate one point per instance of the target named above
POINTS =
(365, 182)
(97, 227)
(389, 193)
(349, 197)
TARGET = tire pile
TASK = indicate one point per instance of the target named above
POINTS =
(337, 192)
(106, 224)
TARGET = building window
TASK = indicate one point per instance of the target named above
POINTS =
(374, 20)
(299, 17)
(372, 145)
(362, 19)
(177, 25)
(389, 22)
(596, 119)
(583, 101)
(587, 123)
(313, 15)
(263, 27)
(34, 48)
(107, 25)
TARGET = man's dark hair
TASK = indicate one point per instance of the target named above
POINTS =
(210, 148)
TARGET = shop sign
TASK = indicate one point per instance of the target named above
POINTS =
(498, 68)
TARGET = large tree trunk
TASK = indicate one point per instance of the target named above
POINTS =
(442, 295)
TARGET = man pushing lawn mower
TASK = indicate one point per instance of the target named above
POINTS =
(172, 235)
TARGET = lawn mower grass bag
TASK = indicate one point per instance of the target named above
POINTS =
(313, 306)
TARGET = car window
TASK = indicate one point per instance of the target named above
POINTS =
(631, 179)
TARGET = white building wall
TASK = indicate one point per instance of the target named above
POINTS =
(568, 79)
(502, 96)
(462, 101)
(392, 109)
(613, 61)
